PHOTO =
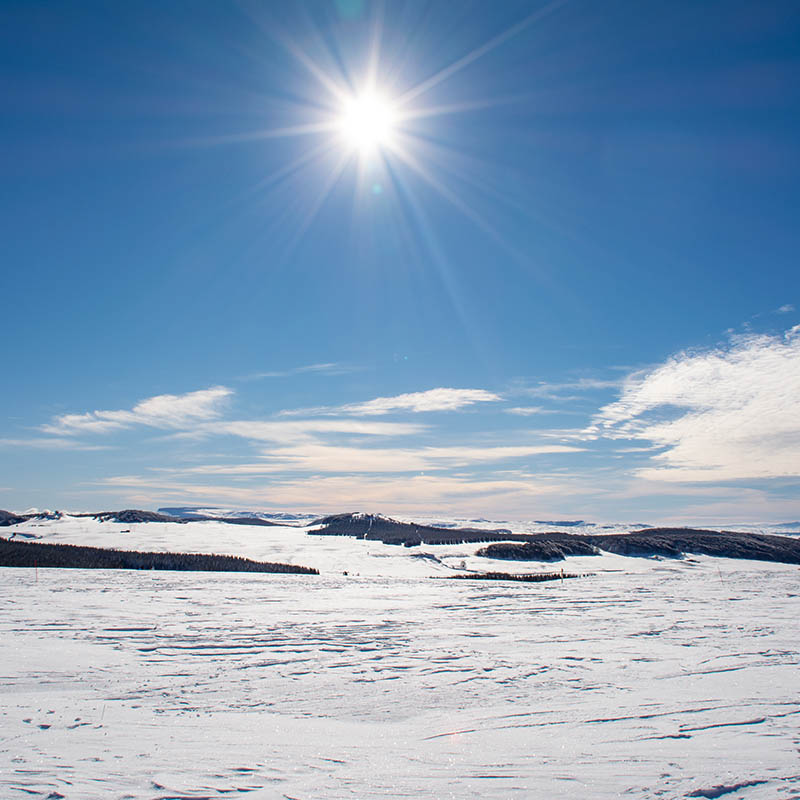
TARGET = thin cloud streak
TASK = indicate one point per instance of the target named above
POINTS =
(316, 457)
(288, 431)
(530, 411)
(331, 368)
(440, 399)
(437, 493)
(51, 444)
(554, 391)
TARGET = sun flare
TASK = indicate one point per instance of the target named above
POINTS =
(367, 122)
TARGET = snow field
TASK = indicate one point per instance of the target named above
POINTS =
(650, 679)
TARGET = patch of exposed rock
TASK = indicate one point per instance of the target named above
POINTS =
(8, 518)
(665, 542)
(541, 547)
(391, 531)
(134, 515)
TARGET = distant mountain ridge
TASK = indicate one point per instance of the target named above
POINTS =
(502, 543)
(209, 512)
(555, 546)
(131, 515)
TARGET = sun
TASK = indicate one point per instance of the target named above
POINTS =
(367, 122)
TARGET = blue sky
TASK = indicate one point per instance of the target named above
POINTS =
(564, 282)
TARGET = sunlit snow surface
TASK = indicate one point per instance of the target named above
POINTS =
(652, 678)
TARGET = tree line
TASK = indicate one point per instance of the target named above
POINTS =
(38, 554)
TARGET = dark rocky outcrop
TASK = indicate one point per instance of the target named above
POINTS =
(7, 518)
(184, 512)
(665, 542)
(134, 515)
(390, 531)
(541, 547)
(563, 523)
(241, 521)
(37, 554)
(725, 544)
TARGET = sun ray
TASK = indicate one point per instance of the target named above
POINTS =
(423, 232)
(275, 32)
(374, 51)
(293, 167)
(410, 161)
(327, 187)
(468, 175)
(335, 90)
(278, 177)
(291, 131)
(478, 52)
(458, 108)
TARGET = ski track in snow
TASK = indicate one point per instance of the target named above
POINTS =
(650, 679)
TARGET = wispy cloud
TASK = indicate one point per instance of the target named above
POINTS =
(530, 411)
(785, 309)
(416, 402)
(566, 390)
(441, 399)
(287, 431)
(328, 368)
(727, 414)
(388, 494)
(314, 457)
(53, 443)
(161, 411)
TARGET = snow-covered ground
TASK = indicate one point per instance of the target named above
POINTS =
(652, 678)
